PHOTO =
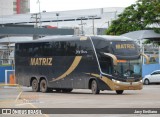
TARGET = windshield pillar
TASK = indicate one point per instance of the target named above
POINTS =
(114, 58)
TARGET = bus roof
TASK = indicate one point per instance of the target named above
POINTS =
(72, 38)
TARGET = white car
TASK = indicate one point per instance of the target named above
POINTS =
(154, 77)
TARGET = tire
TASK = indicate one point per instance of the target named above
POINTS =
(119, 91)
(146, 82)
(43, 86)
(94, 87)
(66, 90)
(35, 86)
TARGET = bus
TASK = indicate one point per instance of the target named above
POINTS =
(64, 63)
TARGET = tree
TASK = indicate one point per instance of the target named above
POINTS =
(142, 15)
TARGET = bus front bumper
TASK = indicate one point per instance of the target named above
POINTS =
(119, 85)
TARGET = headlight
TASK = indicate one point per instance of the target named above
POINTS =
(116, 81)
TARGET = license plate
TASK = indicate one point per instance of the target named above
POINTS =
(130, 88)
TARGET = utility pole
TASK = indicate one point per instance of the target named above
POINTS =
(93, 17)
(82, 31)
(57, 14)
(115, 16)
(38, 2)
(108, 24)
(159, 55)
(82, 27)
(35, 16)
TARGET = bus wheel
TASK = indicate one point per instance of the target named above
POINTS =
(94, 87)
(35, 86)
(119, 91)
(43, 86)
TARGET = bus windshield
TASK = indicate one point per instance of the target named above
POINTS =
(127, 68)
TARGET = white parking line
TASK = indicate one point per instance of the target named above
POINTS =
(18, 96)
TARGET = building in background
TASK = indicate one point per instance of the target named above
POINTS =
(86, 21)
(10, 7)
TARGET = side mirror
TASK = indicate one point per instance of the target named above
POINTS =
(145, 56)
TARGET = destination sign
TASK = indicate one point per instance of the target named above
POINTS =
(125, 46)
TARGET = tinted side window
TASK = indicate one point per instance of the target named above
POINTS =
(47, 49)
(61, 48)
(24, 49)
(101, 45)
(71, 48)
(154, 73)
(37, 49)
(64, 48)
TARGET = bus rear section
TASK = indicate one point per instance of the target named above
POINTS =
(60, 64)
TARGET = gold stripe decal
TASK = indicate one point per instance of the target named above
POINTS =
(118, 86)
(104, 79)
(71, 68)
(83, 38)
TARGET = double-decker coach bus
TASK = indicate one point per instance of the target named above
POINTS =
(65, 63)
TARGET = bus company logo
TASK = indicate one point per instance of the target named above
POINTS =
(41, 61)
(125, 46)
(81, 52)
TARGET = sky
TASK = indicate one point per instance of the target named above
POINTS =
(63, 5)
